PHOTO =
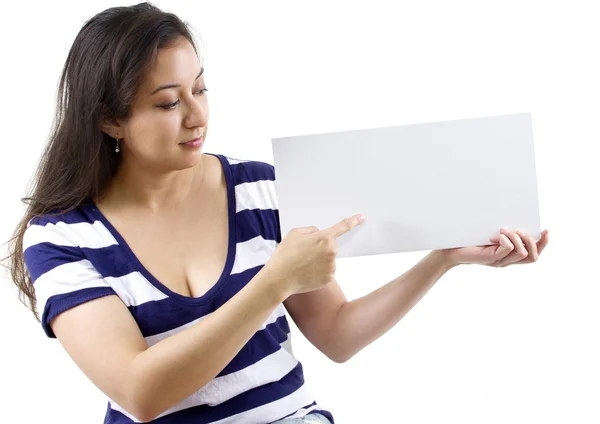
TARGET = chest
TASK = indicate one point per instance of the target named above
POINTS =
(187, 250)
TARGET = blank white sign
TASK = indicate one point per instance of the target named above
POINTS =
(422, 187)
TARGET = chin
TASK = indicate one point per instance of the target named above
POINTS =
(191, 159)
(181, 161)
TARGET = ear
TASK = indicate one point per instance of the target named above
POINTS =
(111, 127)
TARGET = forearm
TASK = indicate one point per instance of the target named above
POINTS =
(362, 321)
(178, 366)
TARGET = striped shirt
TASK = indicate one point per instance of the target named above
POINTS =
(78, 256)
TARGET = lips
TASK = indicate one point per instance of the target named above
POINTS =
(197, 142)
(194, 140)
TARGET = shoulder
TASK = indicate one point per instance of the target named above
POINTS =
(56, 251)
(59, 240)
(55, 239)
(249, 171)
(254, 183)
(76, 228)
(54, 225)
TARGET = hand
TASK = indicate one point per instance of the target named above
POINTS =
(510, 247)
(305, 259)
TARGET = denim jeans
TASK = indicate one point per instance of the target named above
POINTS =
(308, 419)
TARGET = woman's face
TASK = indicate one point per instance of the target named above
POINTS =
(170, 109)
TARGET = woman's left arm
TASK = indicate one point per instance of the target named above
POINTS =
(340, 329)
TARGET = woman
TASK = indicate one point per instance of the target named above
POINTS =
(161, 270)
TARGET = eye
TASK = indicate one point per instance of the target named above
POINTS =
(171, 106)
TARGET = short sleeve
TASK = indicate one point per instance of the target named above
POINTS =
(62, 276)
(267, 172)
(276, 207)
(256, 199)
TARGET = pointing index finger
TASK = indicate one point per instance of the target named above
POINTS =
(345, 225)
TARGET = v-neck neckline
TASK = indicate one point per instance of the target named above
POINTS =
(231, 247)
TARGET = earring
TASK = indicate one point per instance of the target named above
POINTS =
(117, 150)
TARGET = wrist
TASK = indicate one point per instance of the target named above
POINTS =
(273, 285)
(444, 258)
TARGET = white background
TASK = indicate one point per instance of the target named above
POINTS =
(513, 345)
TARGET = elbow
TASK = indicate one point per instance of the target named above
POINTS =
(338, 359)
(336, 349)
(144, 415)
(140, 403)
(338, 355)
(141, 410)
(149, 395)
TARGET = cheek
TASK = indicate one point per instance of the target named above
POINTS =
(154, 132)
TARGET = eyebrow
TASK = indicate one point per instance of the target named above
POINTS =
(164, 87)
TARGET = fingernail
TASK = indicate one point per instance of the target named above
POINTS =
(362, 218)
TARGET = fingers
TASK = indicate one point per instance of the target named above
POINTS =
(530, 245)
(510, 254)
(307, 230)
(543, 242)
(506, 247)
(532, 248)
(516, 241)
(345, 225)
(510, 257)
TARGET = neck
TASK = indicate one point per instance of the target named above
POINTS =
(155, 190)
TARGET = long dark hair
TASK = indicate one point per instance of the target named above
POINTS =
(99, 80)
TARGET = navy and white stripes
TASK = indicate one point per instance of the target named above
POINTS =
(79, 256)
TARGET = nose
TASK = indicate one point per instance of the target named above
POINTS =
(197, 113)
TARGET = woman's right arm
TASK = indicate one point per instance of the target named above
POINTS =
(105, 342)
